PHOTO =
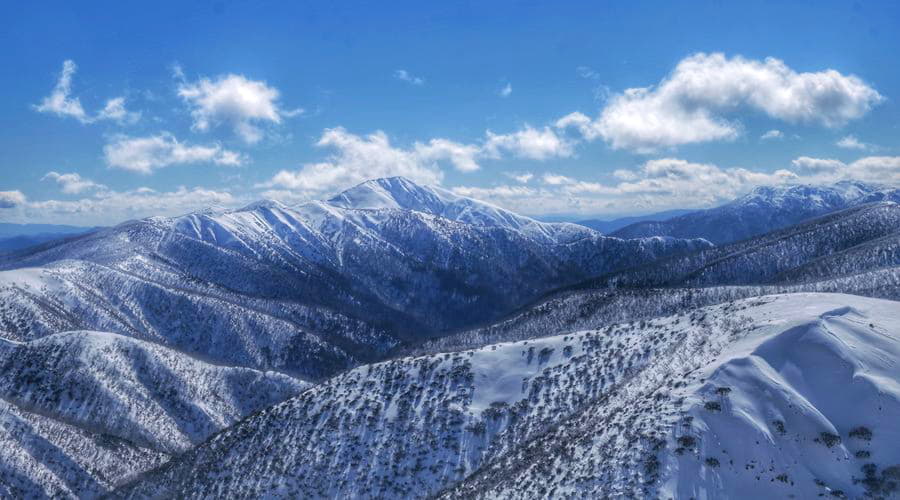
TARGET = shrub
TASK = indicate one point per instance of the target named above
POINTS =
(713, 406)
(779, 427)
(828, 439)
(712, 462)
(687, 441)
(861, 433)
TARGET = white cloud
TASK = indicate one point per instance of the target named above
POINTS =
(506, 91)
(11, 199)
(111, 207)
(851, 142)
(876, 169)
(772, 134)
(522, 178)
(405, 76)
(236, 101)
(817, 166)
(461, 156)
(885, 169)
(358, 158)
(692, 104)
(556, 179)
(668, 183)
(530, 143)
(115, 110)
(60, 102)
(658, 184)
(146, 154)
(72, 183)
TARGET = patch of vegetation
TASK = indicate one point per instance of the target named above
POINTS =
(712, 462)
(828, 439)
(779, 427)
(713, 406)
(861, 433)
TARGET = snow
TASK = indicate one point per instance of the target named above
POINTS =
(501, 420)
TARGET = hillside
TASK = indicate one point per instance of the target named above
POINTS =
(604, 412)
(83, 411)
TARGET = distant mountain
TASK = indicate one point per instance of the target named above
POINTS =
(8, 229)
(15, 237)
(856, 250)
(762, 210)
(787, 395)
(312, 289)
(608, 226)
(83, 411)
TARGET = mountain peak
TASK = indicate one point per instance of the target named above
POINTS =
(393, 192)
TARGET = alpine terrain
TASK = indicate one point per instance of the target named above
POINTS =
(402, 341)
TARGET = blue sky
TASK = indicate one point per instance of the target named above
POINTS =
(169, 108)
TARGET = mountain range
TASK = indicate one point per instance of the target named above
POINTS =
(399, 340)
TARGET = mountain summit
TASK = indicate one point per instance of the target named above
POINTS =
(402, 193)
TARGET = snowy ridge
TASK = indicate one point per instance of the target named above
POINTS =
(401, 193)
(764, 209)
(587, 414)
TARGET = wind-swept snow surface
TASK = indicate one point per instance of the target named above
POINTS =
(778, 396)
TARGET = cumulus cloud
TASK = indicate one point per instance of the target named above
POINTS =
(115, 110)
(236, 101)
(772, 134)
(60, 102)
(521, 178)
(694, 102)
(405, 76)
(72, 183)
(146, 154)
(851, 142)
(358, 158)
(11, 199)
(657, 184)
(667, 183)
(876, 169)
(461, 156)
(529, 143)
(112, 207)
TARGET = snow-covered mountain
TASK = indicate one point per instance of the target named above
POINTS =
(856, 251)
(764, 209)
(779, 396)
(401, 193)
(313, 289)
(81, 412)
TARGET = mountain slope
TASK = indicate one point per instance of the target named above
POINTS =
(83, 411)
(781, 255)
(762, 210)
(803, 406)
(308, 290)
(587, 414)
(609, 226)
(854, 251)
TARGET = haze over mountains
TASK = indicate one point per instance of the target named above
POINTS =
(399, 340)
